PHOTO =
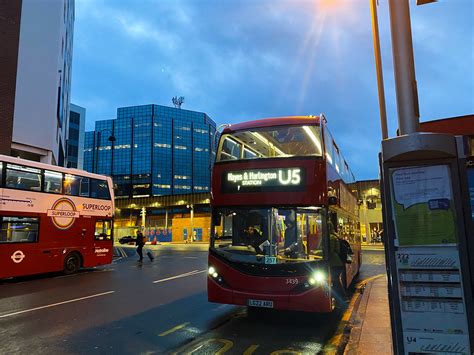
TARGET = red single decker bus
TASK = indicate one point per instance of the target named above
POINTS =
(285, 231)
(53, 218)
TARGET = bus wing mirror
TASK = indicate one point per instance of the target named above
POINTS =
(349, 259)
(332, 200)
(216, 219)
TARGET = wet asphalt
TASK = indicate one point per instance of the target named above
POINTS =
(154, 307)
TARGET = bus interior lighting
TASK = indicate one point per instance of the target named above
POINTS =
(267, 142)
(315, 140)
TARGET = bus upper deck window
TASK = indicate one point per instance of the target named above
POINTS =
(84, 187)
(53, 182)
(99, 189)
(230, 150)
(71, 185)
(23, 178)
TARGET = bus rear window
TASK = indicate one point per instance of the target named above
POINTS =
(18, 230)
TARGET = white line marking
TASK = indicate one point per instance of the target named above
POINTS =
(56, 304)
(191, 273)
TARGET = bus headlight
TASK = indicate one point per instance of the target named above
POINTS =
(213, 273)
(317, 278)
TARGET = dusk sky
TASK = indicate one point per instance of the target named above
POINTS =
(239, 60)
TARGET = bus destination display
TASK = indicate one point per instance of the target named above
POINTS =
(261, 180)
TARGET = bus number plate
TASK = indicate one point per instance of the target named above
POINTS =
(260, 303)
(270, 260)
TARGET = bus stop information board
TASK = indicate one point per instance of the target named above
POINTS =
(432, 306)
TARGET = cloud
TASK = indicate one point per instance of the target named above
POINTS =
(247, 59)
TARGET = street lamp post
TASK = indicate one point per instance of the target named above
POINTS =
(111, 139)
(378, 68)
(191, 207)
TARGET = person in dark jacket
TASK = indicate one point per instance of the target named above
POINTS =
(140, 243)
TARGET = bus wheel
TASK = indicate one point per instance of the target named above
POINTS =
(71, 264)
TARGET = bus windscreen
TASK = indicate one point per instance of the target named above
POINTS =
(268, 235)
(273, 142)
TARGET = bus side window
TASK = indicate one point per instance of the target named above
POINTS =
(71, 185)
(84, 187)
(23, 178)
(99, 189)
(53, 181)
(18, 230)
(103, 230)
(230, 150)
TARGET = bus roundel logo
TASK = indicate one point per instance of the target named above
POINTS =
(63, 213)
(18, 256)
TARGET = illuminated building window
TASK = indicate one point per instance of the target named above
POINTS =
(162, 145)
(161, 186)
(184, 187)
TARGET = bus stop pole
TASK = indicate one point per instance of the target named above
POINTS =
(404, 67)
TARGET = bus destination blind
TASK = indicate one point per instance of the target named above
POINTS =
(264, 180)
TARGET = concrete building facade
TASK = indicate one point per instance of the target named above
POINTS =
(35, 78)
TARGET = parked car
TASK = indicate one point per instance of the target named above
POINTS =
(127, 240)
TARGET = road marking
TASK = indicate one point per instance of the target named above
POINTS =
(57, 304)
(250, 350)
(227, 345)
(191, 273)
(360, 283)
(172, 330)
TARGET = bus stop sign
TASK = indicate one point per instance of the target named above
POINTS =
(430, 291)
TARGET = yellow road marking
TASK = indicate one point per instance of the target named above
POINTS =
(172, 330)
(286, 351)
(369, 279)
(250, 350)
(227, 345)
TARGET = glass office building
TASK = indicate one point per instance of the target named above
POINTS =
(153, 150)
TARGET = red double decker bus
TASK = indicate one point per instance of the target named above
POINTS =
(285, 231)
(53, 218)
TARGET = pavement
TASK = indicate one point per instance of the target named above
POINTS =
(370, 331)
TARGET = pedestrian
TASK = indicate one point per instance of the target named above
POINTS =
(140, 243)
(141, 240)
